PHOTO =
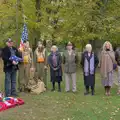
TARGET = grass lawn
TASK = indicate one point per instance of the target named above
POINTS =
(66, 106)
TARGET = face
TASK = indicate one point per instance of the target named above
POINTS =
(89, 49)
(54, 49)
(40, 45)
(69, 47)
(25, 45)
(107, 46)
(9, 44)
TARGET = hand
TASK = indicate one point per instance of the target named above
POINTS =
(32, 69)
(14, 63)
(45, 67)
(55, 69)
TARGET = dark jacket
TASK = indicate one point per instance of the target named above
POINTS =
(117, 56)
(70, 62)
(84, 55)
(6, 54)
(57, 72)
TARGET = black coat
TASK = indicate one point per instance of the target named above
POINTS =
(117, 56)
(56, 75)
(6, 54)
(90, 79)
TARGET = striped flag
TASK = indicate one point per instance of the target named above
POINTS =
(24, 36)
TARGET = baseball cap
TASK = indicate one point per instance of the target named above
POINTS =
(9, 40)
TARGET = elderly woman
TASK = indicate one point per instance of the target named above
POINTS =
(89, 63)
(106, 66)
(40, 62)
(55, 61)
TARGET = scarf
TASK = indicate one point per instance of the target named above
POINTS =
(40, 54)
(89, 65)
(54, 58)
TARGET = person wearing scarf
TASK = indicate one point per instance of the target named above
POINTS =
(55, 61)
(107, 60)
(89, 62)
(70, 63)
(40, 62)
(24, 67)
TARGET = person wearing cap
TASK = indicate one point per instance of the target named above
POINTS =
(25, 67)
(89, 62)
(70, 60)
(10, 68)
(40, 62)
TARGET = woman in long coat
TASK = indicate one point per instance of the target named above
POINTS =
(55, 61)
(106, 66)
(89, 63)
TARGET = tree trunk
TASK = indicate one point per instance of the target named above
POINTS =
(38, 14)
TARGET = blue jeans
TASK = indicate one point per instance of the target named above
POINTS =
(10, 83)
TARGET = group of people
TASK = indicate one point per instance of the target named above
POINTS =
(40, 61)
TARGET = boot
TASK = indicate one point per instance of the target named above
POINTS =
(53, 84)
(87, 90)
(92, 90)
(59, 87)
(108, 90)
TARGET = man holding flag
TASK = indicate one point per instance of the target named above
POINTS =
(10, 68)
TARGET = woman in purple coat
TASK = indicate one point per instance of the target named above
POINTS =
(89, 63)
(55, 61)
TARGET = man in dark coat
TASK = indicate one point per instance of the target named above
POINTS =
(89, 63)
(55, 61)
(117, 57)
(10, 68)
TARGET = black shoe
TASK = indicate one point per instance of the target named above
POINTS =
(53, 90)
(15, 95)
(59, 90)
(86, 93)
(92, 93)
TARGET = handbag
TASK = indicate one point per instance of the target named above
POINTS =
(114, 63)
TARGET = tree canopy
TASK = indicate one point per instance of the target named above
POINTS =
(61, 20)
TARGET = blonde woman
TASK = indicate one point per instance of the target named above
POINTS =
(106, 66)
(89, 63)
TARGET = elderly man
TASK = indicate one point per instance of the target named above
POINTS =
(70, 60)
(89, 63)
(10, 68)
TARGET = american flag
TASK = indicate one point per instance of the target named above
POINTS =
(24, 36)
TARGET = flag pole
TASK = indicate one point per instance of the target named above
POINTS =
(17, 42)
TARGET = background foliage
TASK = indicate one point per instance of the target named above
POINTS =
(61, 20)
